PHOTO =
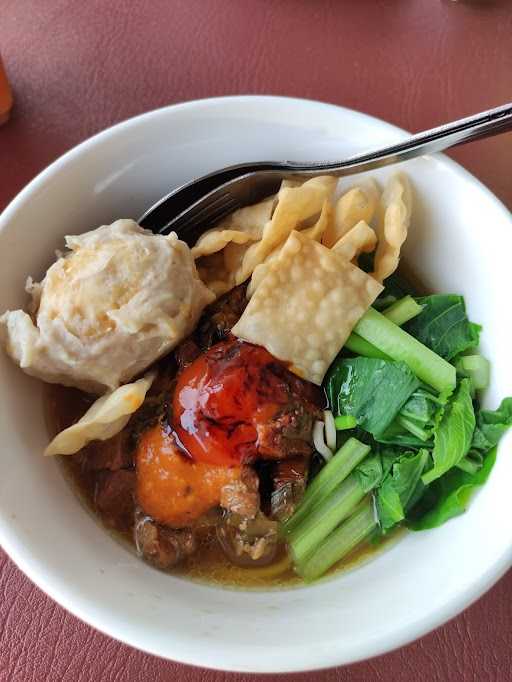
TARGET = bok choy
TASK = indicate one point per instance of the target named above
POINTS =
(417, 443)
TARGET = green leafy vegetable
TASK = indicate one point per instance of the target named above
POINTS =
(344, 422)
(449, 495)
(340, 542)
(371, 471)
(421, 407)
(397, 434)
(396, 286)
(324, 518)
(305, 536)
(399, 487)
(406, 473)
(389, 507)
(384, 302)
(327, 480)
(359, 346)
(372, 391)
(491, 425)
(422, 451)
(453, 434)
(477, 368)
(443, 325)
(402, 347)
(403, 310)
(399, 313)
(471, 463)
(414, 425)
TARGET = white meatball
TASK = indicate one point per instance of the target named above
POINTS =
(117, 301)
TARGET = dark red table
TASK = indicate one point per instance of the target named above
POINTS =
(77, 66)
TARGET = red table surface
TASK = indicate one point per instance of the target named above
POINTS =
(77, 67)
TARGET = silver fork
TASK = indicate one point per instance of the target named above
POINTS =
(196, 206)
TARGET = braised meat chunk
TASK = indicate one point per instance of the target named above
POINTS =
(248, 541)
(286, 434)
(220, 446)
(162, 546)
(246, 535)
(242, 495)
(219, 317)
(233, 405)
(186, 353)
(289, 478)
(112, 454)
(114, 497)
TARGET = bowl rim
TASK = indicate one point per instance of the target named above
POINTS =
(28, 564)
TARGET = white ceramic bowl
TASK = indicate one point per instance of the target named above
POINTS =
(461, 241)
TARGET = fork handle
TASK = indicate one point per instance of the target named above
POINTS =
(481, 125)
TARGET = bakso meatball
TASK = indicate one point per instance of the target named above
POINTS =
(118, 300)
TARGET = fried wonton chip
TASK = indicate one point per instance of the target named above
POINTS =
(359, 203)
(394, 217)
(233, 256)
(215, 240)
(106, 417)
(252, 219)
(261, 270)
(290, 182)
(213, 273)
(315, 232)
(360, 239)
(219, 286)
(295, 205)
(217, 270)
(306, 306)
(240, 227)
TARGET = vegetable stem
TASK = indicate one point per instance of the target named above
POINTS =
(384, 302)
(339, 543)
(333, 473)
(477, 368)
(425, 392)
(399, 313)
(403, 310)
(359, 346)
(345, 421)
(325, 517)
(413, 428)
(469, 465)
(399, 345)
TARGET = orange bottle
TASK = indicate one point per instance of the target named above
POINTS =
(5, 95)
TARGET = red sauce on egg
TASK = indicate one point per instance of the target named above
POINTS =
(222, 397)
